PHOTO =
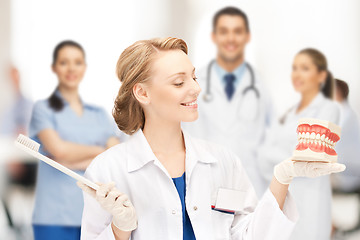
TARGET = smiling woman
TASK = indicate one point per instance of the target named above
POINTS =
(174, 89)
(162, 183)
(71, 132)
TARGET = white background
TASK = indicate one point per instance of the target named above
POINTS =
(279, 30)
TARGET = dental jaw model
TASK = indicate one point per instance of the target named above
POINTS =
(317, 139)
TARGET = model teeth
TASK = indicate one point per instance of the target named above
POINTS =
(315, 138)
(312, 135)
(322, 137)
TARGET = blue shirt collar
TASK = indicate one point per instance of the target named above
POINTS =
(238, 72)
(58, 94)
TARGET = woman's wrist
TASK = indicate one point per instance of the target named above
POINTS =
(279, 190)
(119, 234)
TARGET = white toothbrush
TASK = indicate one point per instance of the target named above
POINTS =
(32, 147)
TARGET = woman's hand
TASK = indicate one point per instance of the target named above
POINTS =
(285, 171)
(116, 203)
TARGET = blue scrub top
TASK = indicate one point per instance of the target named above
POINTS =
(58, 200)
(188, 232)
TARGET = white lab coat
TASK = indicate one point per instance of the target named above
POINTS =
(239, 124)
(348, 150)
(138, 173)
(312, 195)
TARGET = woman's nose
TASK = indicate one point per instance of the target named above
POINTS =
(195, 88)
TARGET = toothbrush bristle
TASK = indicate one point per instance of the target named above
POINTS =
(27, 142)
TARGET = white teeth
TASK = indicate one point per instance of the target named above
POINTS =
(313, 138)
(190, 104)
(312, 135)
(323, 137)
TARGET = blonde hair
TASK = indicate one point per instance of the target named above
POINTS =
(134, 66)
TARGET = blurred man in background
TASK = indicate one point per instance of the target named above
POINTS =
(234, 107)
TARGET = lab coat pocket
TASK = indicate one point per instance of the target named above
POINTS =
(221, 224)
(227, 202)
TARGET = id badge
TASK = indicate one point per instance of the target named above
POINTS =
(230, 200)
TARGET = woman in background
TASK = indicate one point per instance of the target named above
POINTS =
(312, 79)
(348, 148)
(71, 132)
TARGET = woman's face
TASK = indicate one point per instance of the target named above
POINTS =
(305, 75)
(69, 67)
(172, 90)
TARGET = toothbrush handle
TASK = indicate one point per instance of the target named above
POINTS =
(58, 166)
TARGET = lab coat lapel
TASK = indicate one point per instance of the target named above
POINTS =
(243, 83)
(143, 155)
(315, 105)
(199, 187)
(217, 85)
(194, 155)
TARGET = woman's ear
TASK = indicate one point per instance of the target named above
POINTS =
(140, 93)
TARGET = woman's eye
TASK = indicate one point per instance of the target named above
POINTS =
(195, 78)
(305, 68)
(179, 84)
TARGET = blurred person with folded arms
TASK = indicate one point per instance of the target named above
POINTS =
(348, 148)
(16, 117)
(312, 79)
(13, 121)
(71, 132)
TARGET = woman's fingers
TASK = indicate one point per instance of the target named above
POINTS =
(338, 167)
(86, 188)
(104, 189)
(124, 200)
(320, 169)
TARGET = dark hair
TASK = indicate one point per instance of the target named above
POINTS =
(55, 101)
(233, 11)
(342, 87)
(319, 60)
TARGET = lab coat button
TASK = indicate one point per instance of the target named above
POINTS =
(195, 208)
(173, 212)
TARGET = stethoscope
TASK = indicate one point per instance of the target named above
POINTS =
(208, 96)
(246, 112)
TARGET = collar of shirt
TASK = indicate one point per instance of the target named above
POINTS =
(144, 155)
(58, 93)
(319, 99)
(238, 72)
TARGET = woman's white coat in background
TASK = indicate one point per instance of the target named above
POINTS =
(312, 196)
(348, 149)
(239, 124)
(139, 174)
